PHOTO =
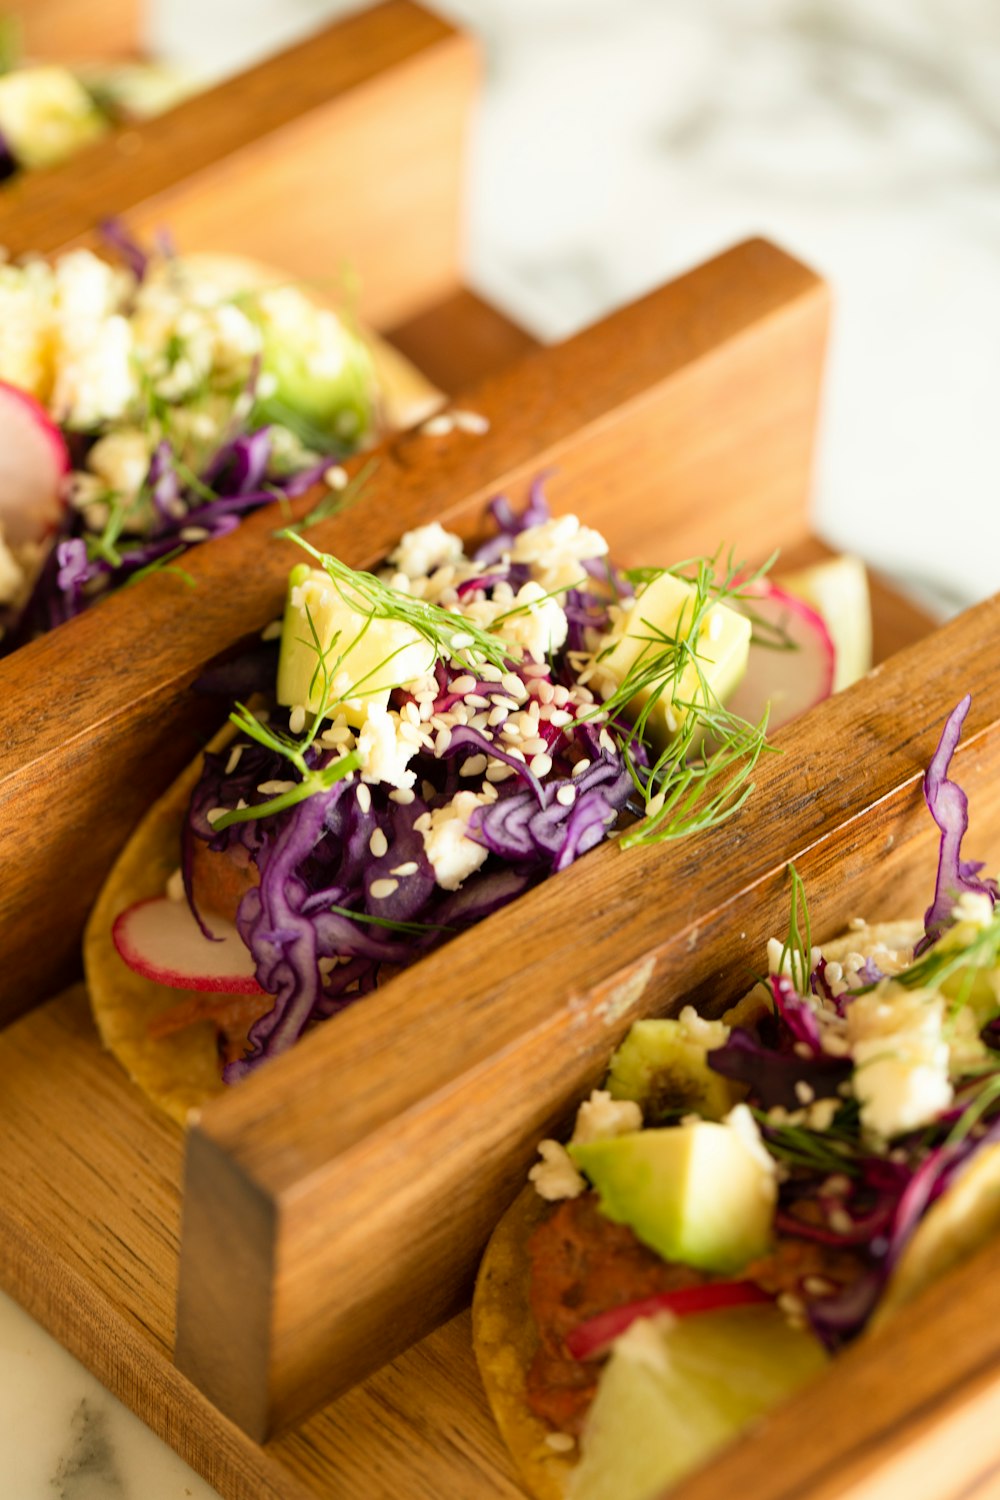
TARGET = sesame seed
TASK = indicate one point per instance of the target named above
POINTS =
(480, 720)
(438, 426)
(580, 767)
(498, 771)
(790, 1303)
(566, 795)
(379, 889)
(275, 788)
(335, 477)
(516, 754)
(194, 533)
(378, 843)
(462, 640)
(514, 686)
(235, 756)
(541, 764)
(840, 1221)
(497, 716)
(463, 685)
(818, 1286)
(409, 867)
(471, 421)
(804, 1092)
(364, 798)
(474, 766)
(215, 813)
(297, 719)
(489, 673)
(546, 692)
(273, 631)
(476, 700)
(560, 1442)
(560, 718)
(443, 741)
(403, 795)
(655, 805)
(503, 701)
(606, 742)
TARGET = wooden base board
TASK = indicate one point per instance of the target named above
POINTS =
(89, 1244)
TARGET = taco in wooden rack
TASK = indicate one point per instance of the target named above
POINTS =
(746, 1195)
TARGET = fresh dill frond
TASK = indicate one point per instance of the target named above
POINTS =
(164, 564)
(334, 502)
(797, 947)
(414, 929)
(439, 627)
(313, 780)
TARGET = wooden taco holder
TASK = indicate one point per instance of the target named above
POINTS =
(335, 1205)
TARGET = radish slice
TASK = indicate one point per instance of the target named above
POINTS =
(592, 1338)
(161, 940)
(33, 460)
(790, 680)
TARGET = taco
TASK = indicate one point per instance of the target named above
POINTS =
(745, 1196)
(427, 744)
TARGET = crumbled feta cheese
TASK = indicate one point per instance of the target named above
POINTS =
(539, 624)
(453, 855)
(600, 1118)
(900, 1054)
(555, 551)
(121, 459)
(384, 752)
(555, 1176)
(424, 549)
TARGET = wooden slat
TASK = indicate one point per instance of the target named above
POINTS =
(342, 154)
(627, 409)
(404, 1124)
(460, 341)
(65, 31)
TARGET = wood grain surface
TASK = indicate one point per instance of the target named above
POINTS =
(625, 414)
(340, 159)
(406, 1123)
(78, 30)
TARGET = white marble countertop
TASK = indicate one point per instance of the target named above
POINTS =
(617, 145)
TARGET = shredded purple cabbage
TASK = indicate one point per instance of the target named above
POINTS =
(949, 807)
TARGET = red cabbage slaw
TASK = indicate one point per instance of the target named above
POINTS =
(316, 930)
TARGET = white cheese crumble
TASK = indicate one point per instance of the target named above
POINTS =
(555, 1176)
(601, 1118)
(539, 623)
(421, 551)
(555, 551)
(385, 752)
(453, 855)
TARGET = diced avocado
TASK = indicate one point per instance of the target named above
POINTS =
(325, 378)
(674, 1392)
(695, 1193)
(661, 1065)
(46, 114)
(662, 614)
(364, 657)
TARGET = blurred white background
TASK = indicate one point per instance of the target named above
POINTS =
(621, 141)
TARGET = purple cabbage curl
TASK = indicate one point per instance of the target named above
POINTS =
(771, 1075)
(949, 807)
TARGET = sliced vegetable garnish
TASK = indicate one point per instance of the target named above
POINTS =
(591, 1339)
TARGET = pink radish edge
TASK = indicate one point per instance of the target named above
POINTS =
(161, 940)
(792, 681)
(34, 460)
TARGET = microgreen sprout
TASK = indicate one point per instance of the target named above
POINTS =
(414, 929)
(164, 564)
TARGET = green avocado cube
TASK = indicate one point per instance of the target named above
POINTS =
(653, 644)
(697, 1193)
